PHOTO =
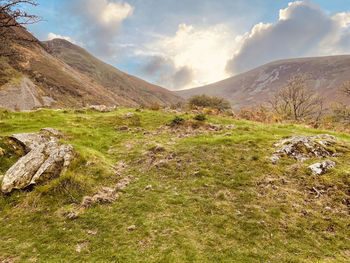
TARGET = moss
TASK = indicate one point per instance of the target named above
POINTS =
(10, 152)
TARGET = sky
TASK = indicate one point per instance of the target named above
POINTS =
(189, 43)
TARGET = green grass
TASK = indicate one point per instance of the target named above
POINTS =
(214, 197)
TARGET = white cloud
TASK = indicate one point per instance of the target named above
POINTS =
(197, 55)
(303, 29)
(51, 36)
(100, 22)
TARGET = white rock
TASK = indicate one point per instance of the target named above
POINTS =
(44, 155)
(321, 168)
(302, 148)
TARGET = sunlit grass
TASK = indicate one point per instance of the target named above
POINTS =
(214, 198)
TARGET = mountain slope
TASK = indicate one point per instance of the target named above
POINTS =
(256, 86)
(124, 85)
(30, 77)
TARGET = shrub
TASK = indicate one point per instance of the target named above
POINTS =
(177, 121)
(155, 106)
(200, 117)
(209, 102)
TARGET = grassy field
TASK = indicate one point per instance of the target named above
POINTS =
(215, 197)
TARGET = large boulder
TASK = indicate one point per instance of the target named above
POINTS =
(45, 157)
(302, 148)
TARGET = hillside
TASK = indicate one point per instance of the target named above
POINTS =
(194, 193)
(32, 77)
(124, 85)
(255, 87)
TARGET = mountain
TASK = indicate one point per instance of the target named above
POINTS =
(255, 87)
(32, 76)
(130, 88)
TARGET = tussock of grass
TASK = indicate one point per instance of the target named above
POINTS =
(214, 197)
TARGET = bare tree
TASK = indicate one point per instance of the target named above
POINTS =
(345, 88)
(13, 15)
(297, 100)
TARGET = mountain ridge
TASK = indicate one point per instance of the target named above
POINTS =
(32, 76)
(124, 85)
(255, 86)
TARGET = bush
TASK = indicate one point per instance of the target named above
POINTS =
(200, 117)
(155, 106)
(209, 102)
(177, 121)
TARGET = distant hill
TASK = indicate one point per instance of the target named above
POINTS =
(256, 86)
(32, 76)
(130, 88)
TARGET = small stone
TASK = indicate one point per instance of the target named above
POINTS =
(274, 159)
(123, 128)
(322, 168)
(2, 152)
(81, 246)
(92, 233)
(148, 187)
(131, 228)
(129, 114)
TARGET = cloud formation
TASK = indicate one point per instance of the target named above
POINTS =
(303, 29)
(51, 36)
(192, 57)
(99, 23)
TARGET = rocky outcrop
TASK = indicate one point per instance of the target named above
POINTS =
(302, 148)
(45, 158)
(322, 168)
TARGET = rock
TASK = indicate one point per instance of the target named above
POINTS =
(129, 115)
(322, 168)
(274, 158)
(148, 187)
(131, 228)
(45, 156)
(102, 108)
(51, 131)
(80, 247)
(92, 233)
(123, 128)
(302, 148)
(2, 152)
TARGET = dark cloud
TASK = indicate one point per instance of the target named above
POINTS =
(299, 31)
(166, 74)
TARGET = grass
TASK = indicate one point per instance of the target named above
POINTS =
(215, 197)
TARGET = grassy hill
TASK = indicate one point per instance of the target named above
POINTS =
(193, 197)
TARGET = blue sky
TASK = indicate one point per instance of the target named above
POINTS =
(187, 43)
